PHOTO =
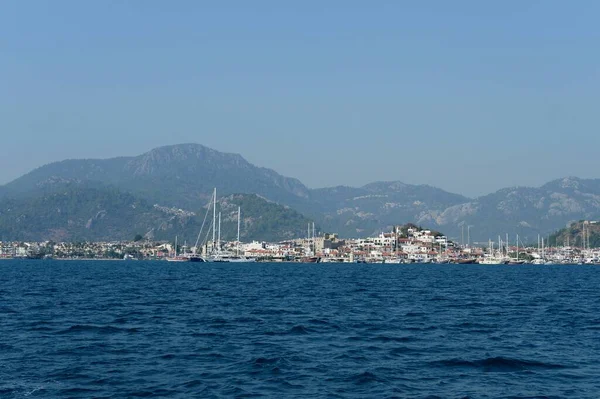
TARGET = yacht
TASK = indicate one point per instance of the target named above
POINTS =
(494, 257)
(225, 256)
(176, 258)
(492, 260)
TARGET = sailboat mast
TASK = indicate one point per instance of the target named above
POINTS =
(313, 240)
(214, 217)
(308, 235)
(219, 239)
(468, 236)
(499, 247)
(175, 246)
(238, 235)
(543, 254)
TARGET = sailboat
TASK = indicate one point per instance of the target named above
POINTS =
(225, 256)
(516, 261)
(309, 254)
(177, 258)
(493, 258)
(228, 257)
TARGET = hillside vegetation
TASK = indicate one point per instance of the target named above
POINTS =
(183, 176)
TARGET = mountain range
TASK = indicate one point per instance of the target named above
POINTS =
(182, 177)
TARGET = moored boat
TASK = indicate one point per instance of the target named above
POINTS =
(176, 258)
(468, 261)
(311, 259)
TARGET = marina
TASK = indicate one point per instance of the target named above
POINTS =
(411, 246)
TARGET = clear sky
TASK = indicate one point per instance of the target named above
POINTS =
(469, 96)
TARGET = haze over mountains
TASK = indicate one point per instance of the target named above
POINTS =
(116, 198)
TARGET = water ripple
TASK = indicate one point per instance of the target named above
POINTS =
(151, 329)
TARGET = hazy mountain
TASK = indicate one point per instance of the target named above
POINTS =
(180, 175)
(525, 211)
(377, 206)
(183, 176)
(104, 214)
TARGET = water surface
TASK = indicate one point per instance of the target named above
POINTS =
(82, 329)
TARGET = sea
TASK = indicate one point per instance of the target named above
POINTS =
(126, 329)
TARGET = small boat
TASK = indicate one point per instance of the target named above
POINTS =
(494, 257)
(393, 260)
(177, 258)
(194, 258)
(226, 257)
(311, 259)
(468, 261)
(329, 259)
(492, 260)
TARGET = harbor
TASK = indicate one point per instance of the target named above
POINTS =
(402, 245)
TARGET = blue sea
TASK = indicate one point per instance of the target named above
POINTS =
(120, 329)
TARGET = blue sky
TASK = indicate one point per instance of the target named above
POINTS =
(469, 96)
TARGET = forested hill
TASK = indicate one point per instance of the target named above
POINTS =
(577, 234)
(107, 214)
(183, 176)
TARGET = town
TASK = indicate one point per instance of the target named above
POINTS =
(404, 244)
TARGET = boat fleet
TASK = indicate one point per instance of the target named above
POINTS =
(214, 252)
(504, 254)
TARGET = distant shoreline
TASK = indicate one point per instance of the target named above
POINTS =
(98, 259)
